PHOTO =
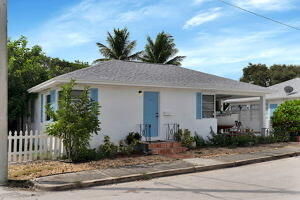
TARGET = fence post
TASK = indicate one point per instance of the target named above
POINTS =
(9, 146)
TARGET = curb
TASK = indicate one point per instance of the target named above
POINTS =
(163, 173)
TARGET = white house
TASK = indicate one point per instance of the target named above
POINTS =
(136, 96)
(247, 108)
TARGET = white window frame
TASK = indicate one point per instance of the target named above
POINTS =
(214, 105)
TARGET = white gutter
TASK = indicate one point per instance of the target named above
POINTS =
(51, 82)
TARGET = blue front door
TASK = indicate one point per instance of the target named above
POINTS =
(151, 112)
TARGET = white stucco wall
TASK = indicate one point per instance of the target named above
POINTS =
(250, 118)
(122, 111)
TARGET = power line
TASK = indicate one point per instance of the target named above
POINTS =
(259, 15)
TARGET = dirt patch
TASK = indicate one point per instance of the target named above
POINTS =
(36, 169)
(210, 152)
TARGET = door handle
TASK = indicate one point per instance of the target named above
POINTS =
(156, 114)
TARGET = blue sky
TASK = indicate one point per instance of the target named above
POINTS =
(216, 38)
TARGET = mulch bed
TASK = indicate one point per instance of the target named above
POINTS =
(31, 170)
(210, 152)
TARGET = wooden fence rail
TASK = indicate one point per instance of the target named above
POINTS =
(24, 146)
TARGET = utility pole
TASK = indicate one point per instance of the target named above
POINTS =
(3, 92)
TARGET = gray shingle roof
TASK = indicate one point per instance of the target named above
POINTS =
(279, 88)
(278, 92)
(146, 74)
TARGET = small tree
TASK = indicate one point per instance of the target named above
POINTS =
(286, 119)
(74, 121)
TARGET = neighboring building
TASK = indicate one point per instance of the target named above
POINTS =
(247, 108)
(134, 95)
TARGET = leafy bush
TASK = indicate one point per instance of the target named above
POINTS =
(133, 138)
(88, 155)
(184, 136)
(74, 121)
(200, 141)
(286, 120)
(126, 149)
(242, 140)
(107, 149)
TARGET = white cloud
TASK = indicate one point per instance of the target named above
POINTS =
(266, 5)
(88, 22)
(197, 2)
(226, 54)
(203, 18)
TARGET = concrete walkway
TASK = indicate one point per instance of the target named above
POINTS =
(140, 172)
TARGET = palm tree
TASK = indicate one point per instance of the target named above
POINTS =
(119, 46)
(162, 50)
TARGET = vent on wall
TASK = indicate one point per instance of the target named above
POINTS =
(288, 89)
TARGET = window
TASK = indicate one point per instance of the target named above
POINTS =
(208, 106)
(272, 109)
(74, 95)
(48, 102)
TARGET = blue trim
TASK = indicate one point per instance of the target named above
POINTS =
(199, 105)
(42, 107)
(94, 94)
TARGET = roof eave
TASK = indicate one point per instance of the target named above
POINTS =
(54, 82)
(45, 85)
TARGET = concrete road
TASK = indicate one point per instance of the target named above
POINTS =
(270, 180)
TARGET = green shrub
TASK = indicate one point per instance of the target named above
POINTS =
(74, 121)
(133, 138)
(107, 149)
(126, 149)
(242, 140)
(286, 120)
(184, 136)
(200, 141)
(88, 155)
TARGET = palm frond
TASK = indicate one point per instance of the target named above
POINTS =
(176, 60)
(119, 46)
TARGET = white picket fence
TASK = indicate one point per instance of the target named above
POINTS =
(24, 146)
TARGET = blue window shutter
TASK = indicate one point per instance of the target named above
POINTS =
(42, 107)
(53, 99)
(199, 105)
(94, 94)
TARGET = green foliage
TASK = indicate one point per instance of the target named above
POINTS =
(126, 149)
(184, 136)
(261, 74)
(257, 74)
(133, 138)
(242, 140)
(119, 46)
(200, 141)
(74, 121)
(162, 50)
(86, 155)
(107, 149)
(286, 119)
(28, 67)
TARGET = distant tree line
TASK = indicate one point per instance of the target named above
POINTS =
(261, 74)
